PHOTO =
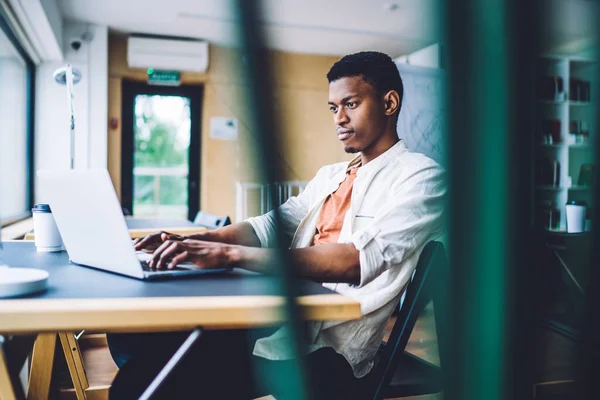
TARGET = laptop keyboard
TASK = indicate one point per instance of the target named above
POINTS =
(145, 257)
(147, 268)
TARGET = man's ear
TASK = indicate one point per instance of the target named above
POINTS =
(392, 102)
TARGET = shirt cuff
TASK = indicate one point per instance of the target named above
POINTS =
(371, 256)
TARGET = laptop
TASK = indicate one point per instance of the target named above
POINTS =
(93, 229)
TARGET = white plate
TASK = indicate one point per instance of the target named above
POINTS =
(22, 281)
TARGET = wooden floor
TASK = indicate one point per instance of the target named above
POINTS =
(101, 369)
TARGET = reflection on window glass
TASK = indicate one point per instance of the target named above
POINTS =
(13, 131)
(161, 159)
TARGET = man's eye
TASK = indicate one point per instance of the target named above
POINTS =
(351, 104)
(333, 109)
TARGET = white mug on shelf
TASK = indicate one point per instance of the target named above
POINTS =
(576, 213)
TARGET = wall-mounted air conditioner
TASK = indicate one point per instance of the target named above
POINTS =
(167, 54)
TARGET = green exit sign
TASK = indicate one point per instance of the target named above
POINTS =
(163, 78)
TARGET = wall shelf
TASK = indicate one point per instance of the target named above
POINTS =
(557, 118)
(553, 102)
(580, 146)
(580, 187)
(579, 103)
(551, 188)
(560, 188)
(571, 103)
(562, 145)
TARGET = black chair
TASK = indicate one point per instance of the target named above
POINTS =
(398, 373)
(211, 221)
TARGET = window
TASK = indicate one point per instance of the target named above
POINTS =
(161, 159)
(16, 133)
(160, 174)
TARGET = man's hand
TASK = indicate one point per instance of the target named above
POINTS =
(205, 255)
(151, 242)
(332, 262)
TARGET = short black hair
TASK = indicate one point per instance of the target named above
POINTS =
(375, 68)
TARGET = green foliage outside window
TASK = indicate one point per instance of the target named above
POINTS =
(161, 158)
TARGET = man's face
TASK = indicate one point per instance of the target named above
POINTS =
(358, 113)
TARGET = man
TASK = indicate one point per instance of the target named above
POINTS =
(358, 227)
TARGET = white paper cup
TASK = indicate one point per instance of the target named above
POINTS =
(47, 237)
(576, 212)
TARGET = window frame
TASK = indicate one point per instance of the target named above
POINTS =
(195, 92)
(6, 28)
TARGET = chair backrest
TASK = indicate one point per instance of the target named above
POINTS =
(211, 221)
(423, 287)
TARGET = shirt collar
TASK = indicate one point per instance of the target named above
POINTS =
(380, 161)
(355, 162)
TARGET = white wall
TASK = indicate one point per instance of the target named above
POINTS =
(422, 119)
(426, 57)
(91, 105)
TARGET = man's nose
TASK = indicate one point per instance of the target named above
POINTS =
(340, 117)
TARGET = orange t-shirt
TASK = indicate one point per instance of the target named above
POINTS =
(329, 224)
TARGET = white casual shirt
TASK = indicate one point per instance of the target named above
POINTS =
(396, 208)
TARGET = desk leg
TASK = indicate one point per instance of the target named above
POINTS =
(6, 387)
(164, 373)
(42, 360)
(75, 363)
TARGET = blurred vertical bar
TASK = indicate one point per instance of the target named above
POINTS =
(522, 294)
(259, 98)
(490, 99)
(589, 358)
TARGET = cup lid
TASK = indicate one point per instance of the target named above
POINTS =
(45, 208)
(577, 203)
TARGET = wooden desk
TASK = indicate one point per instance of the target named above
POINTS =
(140, 227)
(83, 298)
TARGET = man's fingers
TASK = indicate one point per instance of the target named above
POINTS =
(140, 243)
(170, 236)
(177, 259)
(167, 254)
(146, 241)
(142, 247)
(157, 253)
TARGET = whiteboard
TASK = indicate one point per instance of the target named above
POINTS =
(422, 120)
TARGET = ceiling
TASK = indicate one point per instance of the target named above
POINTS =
(569, 26)
(395, 27)
(307, 26)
